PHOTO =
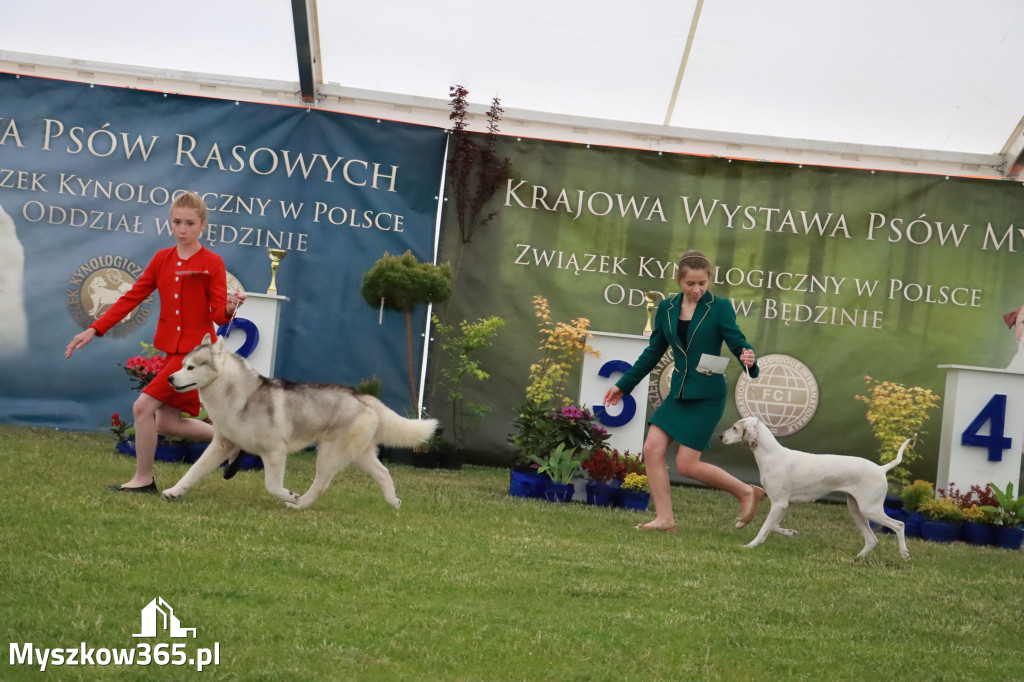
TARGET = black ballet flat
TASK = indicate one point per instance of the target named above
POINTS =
(151, 488)
(232, 467)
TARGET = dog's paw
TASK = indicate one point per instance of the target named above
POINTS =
(397, 504)
(788, 532)
(171, 494)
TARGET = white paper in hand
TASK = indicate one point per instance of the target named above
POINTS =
(714, 364)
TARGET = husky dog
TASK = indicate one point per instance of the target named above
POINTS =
(272, 417)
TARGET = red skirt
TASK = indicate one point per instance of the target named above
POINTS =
(161, 389)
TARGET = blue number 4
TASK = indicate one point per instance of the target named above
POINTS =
(995, 442)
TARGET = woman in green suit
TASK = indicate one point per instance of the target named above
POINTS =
(692, 323)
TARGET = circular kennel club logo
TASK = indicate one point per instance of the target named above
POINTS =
(784, 396)
(97, 284)
(661, 380)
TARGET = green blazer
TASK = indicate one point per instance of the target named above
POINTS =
(713, 323)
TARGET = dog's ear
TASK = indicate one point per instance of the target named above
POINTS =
(750, 433)
(206, 340)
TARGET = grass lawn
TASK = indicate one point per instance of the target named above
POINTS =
(467, 583)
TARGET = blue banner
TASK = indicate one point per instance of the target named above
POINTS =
(87, 177)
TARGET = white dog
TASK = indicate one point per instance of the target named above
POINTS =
(272, 417)
(792, 476)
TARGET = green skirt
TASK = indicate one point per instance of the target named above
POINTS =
(690, 421)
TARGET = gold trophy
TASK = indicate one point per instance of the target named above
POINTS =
(648, 330)
(276, 256)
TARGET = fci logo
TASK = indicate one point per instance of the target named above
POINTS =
(159, 612)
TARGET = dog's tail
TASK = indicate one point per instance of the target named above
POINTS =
(394, 430)
(899, 455)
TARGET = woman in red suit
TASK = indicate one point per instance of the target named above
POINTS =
(193, 298)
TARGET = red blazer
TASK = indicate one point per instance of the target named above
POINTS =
(193, 295)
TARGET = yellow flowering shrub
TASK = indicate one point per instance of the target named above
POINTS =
(896, 413)
(561, 345)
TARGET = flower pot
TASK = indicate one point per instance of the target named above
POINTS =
(602, 494)
(1009, 537)
(893, 502)
(165, 452)
(194, 452)
(559, 492)
(636, 500)
(912, 525)
(979, 534)
(894, 513)
(431, 459)
(254, 462)
(451, 459)
(526, 482)
(940, 531)
(398, 455)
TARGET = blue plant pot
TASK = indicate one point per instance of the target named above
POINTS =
(195, 451)
(526, 482)
(559, 492)
(894, 513)
(1009, 537)
(602, 494)
(978, 534)
(912, 525)
(250, 462)
(636, 500)
(165, 452)
(940, 531)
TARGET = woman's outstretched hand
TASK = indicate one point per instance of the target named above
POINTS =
(613, 396)
(80, 340)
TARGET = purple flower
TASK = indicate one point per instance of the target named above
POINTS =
(570, 412)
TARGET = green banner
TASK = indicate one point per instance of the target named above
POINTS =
(840, 273)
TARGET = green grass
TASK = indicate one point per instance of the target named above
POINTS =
(467, 583)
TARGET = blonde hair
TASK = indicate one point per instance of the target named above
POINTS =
(692, 260)
(193, 201)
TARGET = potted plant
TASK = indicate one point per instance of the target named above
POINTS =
(913, 495)
(402, 283)
(475, 170)
(547, 418)
(634, 493)
(1009, 515)
(896, 413)
(561, 466)
(141, 370)
(943, 517)
(979, 525)
(460, 344)
(605, 471)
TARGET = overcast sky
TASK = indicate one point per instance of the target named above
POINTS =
(923, 74)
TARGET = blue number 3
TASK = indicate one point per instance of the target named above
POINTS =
(628, 401)
(995, 442)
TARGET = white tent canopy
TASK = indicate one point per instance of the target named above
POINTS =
(905, 84)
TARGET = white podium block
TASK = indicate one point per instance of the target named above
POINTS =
(264, 312)
(982, 428)
(626, 421)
